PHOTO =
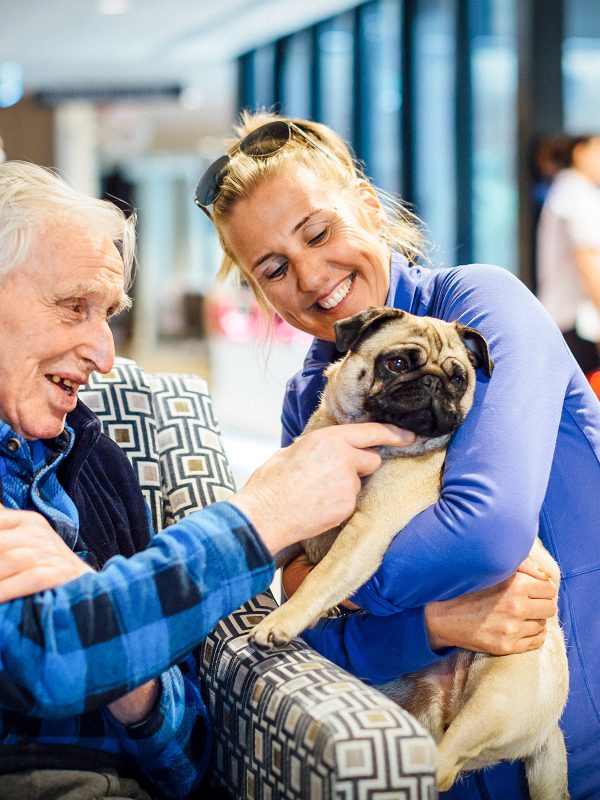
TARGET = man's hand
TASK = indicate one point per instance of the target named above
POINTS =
(312, 485)
(33, 557)
(504, 619)
(137, 705)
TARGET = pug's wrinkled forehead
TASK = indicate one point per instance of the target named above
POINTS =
(437, 335)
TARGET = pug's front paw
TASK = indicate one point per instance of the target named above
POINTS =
(273, 631)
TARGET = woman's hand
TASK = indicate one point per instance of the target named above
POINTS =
(33, 557)
(504, 619)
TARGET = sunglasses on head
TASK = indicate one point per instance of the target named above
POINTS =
(263, 142)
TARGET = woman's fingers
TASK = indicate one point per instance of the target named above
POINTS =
(534, 588)
(529, 567)
(542, 609)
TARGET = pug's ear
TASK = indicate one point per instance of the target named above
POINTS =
(351, 331)
(477, 348)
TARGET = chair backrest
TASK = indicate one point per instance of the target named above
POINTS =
(167, 427)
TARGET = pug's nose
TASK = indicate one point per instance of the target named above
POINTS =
(432, 382)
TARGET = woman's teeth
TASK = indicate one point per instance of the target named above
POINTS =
(336, 297)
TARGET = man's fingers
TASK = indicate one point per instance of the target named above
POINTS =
(367, 462)
(11, 518)
(372, 434)
(23, 584)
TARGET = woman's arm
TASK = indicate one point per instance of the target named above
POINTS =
(504, 619)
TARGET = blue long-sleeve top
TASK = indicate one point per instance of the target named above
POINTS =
(66, 653)
(526, 460)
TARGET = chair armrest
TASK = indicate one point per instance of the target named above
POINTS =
(290, 724)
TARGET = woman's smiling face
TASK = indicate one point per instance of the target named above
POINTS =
(312, 247)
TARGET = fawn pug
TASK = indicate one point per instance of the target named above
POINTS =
(419, 373)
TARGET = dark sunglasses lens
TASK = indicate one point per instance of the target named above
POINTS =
(266, 140)
(209, 185)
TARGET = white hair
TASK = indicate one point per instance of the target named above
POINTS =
(32, 196)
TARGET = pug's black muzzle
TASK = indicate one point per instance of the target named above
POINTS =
(428, 406)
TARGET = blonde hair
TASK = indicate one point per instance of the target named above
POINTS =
(31, 196)
(401, 228)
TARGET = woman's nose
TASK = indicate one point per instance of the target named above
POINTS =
(309, 274)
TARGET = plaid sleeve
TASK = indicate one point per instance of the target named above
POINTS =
(170, 747)
(72, 649)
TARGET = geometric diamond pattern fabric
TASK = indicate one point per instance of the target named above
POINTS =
(122, 400)
(195, 470)
(288, 724)
(167, 427)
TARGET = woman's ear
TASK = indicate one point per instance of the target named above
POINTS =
(369, 201)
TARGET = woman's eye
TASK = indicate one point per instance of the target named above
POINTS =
(276, 272)
(397, 365)
(319, 237)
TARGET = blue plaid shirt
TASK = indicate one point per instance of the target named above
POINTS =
(67, 652)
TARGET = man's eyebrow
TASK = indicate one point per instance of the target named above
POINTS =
(123, 302)
(295, 230)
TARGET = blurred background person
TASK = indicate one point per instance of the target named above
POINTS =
(568, 245)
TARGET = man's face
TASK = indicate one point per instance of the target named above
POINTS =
(54, 329)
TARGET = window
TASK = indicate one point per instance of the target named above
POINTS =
(335, 42)
(379, 94)
(296, 76)
(581, 66)
(434, 150)
(494, 106)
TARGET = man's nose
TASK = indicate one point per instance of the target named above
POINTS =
(99, 347)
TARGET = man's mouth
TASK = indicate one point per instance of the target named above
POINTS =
(338, 294)
(68, 386)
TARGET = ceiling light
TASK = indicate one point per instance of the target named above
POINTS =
(11, 83)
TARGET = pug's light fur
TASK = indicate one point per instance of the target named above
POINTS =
(418, 373)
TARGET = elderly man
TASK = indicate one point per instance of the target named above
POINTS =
(97, 696)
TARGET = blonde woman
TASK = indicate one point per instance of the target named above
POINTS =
(316, 241)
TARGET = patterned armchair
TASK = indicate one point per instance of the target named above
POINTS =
(288, 724)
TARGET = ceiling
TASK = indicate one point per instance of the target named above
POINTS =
(101, 49)
(62, 44)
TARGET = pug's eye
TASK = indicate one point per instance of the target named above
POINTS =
(458, 379)
(397, 364)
